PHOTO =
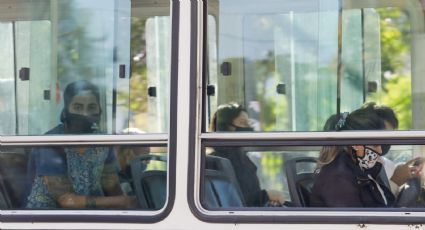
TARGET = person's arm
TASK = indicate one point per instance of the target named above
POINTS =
(60, 188)
(110, 181)
(406, 171)
(70, 200)
(275, 197)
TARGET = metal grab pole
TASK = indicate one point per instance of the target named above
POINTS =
(339, 67)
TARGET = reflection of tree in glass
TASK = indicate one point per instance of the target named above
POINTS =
(270, 103)
(396, 73)
(395, 40)
(75, 53)
(138, 81)
(397, 94)
(271, 165)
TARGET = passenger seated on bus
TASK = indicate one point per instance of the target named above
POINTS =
(232, 117)
(125, 155)
(398, 174)
(76, 177)
(348, 177)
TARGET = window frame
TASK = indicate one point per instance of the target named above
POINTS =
(203, 139)
(166, 139)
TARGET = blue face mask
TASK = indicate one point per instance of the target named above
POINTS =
(369, 159)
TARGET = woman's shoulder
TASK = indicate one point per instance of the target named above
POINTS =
(59, 129)
(340, 167)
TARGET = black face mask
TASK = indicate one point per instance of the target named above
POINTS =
(243, 129)
(79, 124)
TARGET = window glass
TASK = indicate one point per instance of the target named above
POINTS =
(353, 175)
(83, 177)
(291, 65)
(54, 51)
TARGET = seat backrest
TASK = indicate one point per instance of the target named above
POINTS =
(154, 187)
(13, 178)
(409, 196)
(150, 186)
(220, 186)
(300, 179)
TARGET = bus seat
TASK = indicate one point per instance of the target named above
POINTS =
(410, 194)
(13, 178)
(150, 186)
(221, 188)
(154, 189)
(300, 179)
(220, 191)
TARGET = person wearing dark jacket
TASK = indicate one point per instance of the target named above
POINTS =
(343, 184)
(348, 175)
(232, 117)
(246, 174)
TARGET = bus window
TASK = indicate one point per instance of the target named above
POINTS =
(52, 44)
(288, 176)
(287, 72)
(114, 177)
(95, 68)
(288, 66)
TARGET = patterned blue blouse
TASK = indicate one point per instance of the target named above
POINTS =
(83, 170)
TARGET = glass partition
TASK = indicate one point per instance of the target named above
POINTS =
(292, 65)
(83, 177)
(274, 177)
(49, 45)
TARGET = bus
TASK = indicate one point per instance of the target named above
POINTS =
(109, 111)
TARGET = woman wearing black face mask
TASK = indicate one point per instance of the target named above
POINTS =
(76, 177)
(233, 118)
(348, 175)
(81, 112)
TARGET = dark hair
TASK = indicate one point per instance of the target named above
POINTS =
(363, 119)
(331, 122)
(384, 112)
(224, 116)
(75, 88)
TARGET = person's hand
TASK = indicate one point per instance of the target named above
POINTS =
(406, 171)
(130, 202)
(417, 166)
(70, 200)
(275, 197)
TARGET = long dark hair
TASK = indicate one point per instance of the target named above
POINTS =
(224, 116)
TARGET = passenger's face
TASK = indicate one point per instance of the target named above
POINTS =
(85, 104)
(240, 121)
(360, 149)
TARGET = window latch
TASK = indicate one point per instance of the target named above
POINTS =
(281, 88)
(152, 91)
(24, 74)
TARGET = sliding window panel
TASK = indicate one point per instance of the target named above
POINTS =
(90, 177)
